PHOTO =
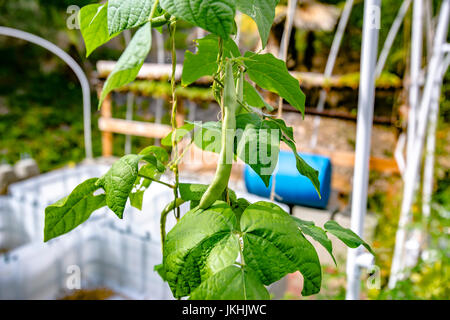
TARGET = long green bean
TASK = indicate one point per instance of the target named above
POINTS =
(223, 172)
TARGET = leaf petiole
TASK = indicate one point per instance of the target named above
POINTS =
(157, 181)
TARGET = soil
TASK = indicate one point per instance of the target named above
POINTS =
(90, 294)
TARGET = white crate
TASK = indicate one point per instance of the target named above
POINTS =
(29, 199)
(122, 260)
(113, 253)
(12, 233)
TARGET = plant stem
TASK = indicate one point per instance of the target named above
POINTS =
(157, 181)
(219, 61)
(172, 29)
(154, 7)
(177, 161)
(158, 21)
(171, 206)
(241, 248)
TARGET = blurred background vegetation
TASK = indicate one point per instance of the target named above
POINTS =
(41, 116)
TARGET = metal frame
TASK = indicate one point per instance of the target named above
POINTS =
(422, 112)
(363, 142)
(433, 81)
(10, 32)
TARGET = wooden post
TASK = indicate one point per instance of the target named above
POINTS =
(107, 136)
(180, 113)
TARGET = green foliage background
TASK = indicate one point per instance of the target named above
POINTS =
(40, 109)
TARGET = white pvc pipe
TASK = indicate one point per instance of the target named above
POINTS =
(416, 67)
(330, 65)
(363, 140)
(391, 36)
(429, 26)
(10, 32)
(428, 172)
(414, 158)
(290, 14)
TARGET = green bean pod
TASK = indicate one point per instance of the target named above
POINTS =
(223, 172)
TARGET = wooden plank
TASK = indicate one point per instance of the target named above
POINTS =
(341, 183)
(107, 137)
(155, 71)
(134, 128)
(150, 71)
(179, 117)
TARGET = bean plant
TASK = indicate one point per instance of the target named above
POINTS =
(225, 247)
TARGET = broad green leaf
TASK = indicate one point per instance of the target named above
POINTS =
(193, 204)
(216, 16)
(262, 12)
(208, 136)
(180, 133)
(239, 207)
(287, 131)
(192, 191)
(272, 74)
(127, 14)
(118, 182)
(131, 61)
(232, 283)
(274, 247)
(150, 170)
(157, 158)
(195, 191)
(204, 62)
(318, 234)
(253, 98)
(200, 245)
(303, 222)
(304, 168)
(158, 152)
(136, 199)
(258, 144)
(71, 211)
(347, 236)
(94, 26)
(161, 271)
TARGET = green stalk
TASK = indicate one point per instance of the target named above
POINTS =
(157, 181)
(154, 7)
(216, 84)
(171, 206)
(172, 29)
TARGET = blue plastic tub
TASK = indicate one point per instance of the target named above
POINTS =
(291, 187)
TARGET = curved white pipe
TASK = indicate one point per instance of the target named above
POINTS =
(10, 32)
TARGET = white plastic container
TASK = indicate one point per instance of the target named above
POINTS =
(12, 233)
(105, 257)
(108, 252)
